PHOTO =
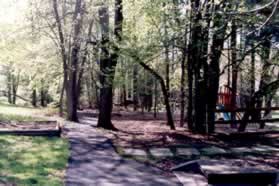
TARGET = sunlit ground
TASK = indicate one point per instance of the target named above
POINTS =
(32, 160)
(23, 113)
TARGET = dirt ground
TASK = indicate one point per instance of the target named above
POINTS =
(143, 131)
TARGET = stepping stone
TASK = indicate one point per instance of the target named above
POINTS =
(213, 151)
(191, 179)
(187, 152)
(134, 152)
(265, 148)
(241, 150)
(161, 152)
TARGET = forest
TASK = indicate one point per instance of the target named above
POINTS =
(149, 75)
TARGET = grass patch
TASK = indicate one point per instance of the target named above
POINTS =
(10, 113)
(33, 160)
(17, 118)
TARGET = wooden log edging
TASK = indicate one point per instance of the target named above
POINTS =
(55, 132)
(246, 109)
(274, 120)
(46, 133)
(243, 135)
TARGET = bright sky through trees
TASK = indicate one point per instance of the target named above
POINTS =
(12, 11)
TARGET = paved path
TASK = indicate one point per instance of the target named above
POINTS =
(94, 162)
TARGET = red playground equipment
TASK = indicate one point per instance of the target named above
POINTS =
(225, 97)
(225, 103)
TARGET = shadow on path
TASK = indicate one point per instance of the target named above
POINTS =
(94, 162)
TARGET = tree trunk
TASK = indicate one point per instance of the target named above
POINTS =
(61, 99)
(234, 70)
(214, 77)
(263, 91)
(34, 98)
(9, 86)
(72, 81)
(14, 89)
(108, 63)
(42, 92)
(167, 104)
(198, 58)
(155, 98)
(182, 89)
(135, 87)
(164, 91)
(83, 62)
(105, 109)
(89, 93)
(190, 95)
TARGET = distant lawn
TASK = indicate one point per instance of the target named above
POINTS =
(17, 113)
(33, 160)
(17, 118)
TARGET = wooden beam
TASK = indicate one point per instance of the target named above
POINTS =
(246, 109)
(248, 121)
(32, 132)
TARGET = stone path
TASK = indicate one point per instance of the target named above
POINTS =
(94, 162)
(192, 152)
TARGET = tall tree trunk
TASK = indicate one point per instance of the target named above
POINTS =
(229, 65)
(108, 63)
(155, 98)
(199, 43)
(72, 81)
(95, 87)
(61, 98)
(182, 87)
(42, 92)
(214, 75)
(265, 76)
(62, 45)
(166, 48)
(9, 86)
(253, 67)
(83, 61)
(190, 96)
(253, 77)
(234, 69)
(135, 87)
(89, 93)
(14, 88)
(34, 98)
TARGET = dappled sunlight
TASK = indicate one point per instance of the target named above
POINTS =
(28, 160)
(120, 92)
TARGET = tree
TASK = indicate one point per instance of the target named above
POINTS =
(108, 62)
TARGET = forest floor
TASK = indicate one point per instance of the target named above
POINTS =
(147, 139)
(144, 145)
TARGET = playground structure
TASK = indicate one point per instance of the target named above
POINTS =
(225, 104)
(229, 111)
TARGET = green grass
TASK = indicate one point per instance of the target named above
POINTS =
(33, 160)
(30, 160)
(17, 118)
(17, 113)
